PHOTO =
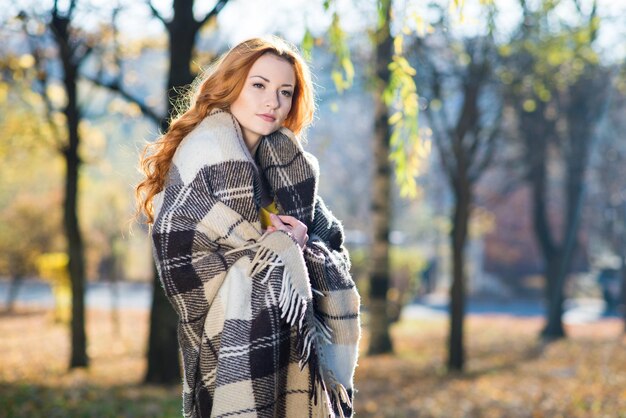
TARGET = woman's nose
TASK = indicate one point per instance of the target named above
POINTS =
(272, 101)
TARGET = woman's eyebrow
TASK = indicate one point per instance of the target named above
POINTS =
(267, 80)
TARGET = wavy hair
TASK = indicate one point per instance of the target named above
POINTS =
(218, 88)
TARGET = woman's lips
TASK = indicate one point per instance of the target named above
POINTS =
(267, 118)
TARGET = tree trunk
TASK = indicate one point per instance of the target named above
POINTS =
(14, 287)
(75, 249)
(537, 133)
(60, 27)
(162, 341)
(458, 236)
(559, 264)
(380, 341)
(554, 298)
(163, 365)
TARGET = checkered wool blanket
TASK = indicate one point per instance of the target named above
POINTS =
(266, 329)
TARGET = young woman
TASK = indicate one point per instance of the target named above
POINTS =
(248, 254)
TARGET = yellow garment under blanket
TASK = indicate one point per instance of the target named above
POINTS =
(264, 214)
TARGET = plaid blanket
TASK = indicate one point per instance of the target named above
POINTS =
(265, 329)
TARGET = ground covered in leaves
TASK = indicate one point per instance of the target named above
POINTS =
(508, 373)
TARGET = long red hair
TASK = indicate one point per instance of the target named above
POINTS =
(218, 88)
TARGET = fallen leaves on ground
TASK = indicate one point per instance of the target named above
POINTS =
(509, 373)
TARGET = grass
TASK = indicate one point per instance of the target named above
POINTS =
(508, 373)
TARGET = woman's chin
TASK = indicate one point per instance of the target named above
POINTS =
(270, 131)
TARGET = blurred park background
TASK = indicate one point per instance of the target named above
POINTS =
(475, 151)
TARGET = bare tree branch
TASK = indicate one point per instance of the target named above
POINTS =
(81, 56)
(476, 139)
(42, 80)
(489, 147)
(577, 5)
(214, 12)
(592, 16)
(70, 9)
(116, 86)
(440, 137)
(156, 14)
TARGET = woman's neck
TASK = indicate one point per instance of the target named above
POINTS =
(253, 146)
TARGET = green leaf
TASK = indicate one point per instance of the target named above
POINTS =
(338, 80)
(348, 68)
(395, 118)
(398, 42)
(307, 44)
(343, 71)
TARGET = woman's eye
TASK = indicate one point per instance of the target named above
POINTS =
(287, 93)
(258, 85)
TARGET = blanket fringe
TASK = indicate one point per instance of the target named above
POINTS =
(338, 394)
(329, 395)
(311, 333)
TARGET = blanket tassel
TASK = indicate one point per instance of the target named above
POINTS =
(328, 391)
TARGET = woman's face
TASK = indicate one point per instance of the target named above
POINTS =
(265, 99)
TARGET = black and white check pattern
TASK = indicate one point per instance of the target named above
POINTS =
(266, 330)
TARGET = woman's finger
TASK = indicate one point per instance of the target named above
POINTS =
(293, 226)
(277, 222)
(295, 223)
(290, 220)
(286, 218)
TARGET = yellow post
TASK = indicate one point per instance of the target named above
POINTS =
(53, 269)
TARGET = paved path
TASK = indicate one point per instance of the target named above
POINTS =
(98, 295)
(576, 310)
(139, 296)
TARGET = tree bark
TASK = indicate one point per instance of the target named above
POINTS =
(458, 236)
(72, 227)
(538, 134)
(163, 362)
(465, 148)
(580, 104)
(162, 356)
(60, 27)
(380, 341)
(14, 287)
(553, 328)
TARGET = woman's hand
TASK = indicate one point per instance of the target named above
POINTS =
(291, 225)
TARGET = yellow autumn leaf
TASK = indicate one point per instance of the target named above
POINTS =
(395, 118)
(348, 68)
(26, 61)
(420, 25)
(398, 44)
(56, 94)
(529, 105)
(133, 110)
(4, 92)
(435, 104)
(116, 105)
(59, 119)
(424, 147)
(94, 143)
